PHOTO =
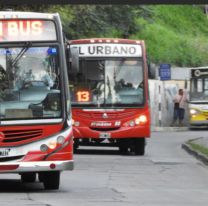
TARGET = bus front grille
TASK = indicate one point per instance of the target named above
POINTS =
(110, 115)
(21, 135)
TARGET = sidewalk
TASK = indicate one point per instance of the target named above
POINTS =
(198, 147)
(168, 129)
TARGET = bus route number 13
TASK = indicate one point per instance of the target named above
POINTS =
(83, 96)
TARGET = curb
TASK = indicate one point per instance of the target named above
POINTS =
(203, 158)
(169, 129)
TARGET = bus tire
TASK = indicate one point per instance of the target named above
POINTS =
(75, 145)
(139, 146)
(28, 177)
(51, 180)
(123, 150)
(40, 176)
(124, 146)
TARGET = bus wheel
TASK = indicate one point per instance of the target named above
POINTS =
(123, 149)
(139, 146)
(51, 180)
(123, 146)
(76, 145)
(40, 176)
(28, 177)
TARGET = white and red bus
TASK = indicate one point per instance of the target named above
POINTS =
(35, 116)
(109, 94)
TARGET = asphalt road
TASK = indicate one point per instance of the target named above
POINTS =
(165, 176)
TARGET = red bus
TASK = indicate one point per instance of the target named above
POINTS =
(109, 94)
(35, 116)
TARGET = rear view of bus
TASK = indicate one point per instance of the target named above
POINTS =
(35, 125)
(109, 93)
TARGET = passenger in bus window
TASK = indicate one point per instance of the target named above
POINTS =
(47, 79)
(121, 84)
(140, 89)
(3, 83)
(2, 75)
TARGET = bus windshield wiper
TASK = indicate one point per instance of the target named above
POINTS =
(22, 52)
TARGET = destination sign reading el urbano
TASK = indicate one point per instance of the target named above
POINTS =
(27, 30)
(109, 50)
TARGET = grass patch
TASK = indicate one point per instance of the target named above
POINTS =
(198, 147)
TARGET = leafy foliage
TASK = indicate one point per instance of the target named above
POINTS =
(175, 34)
(85, 21)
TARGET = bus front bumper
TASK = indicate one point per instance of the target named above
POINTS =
(36, 166)
(198, 123)
(122, 132)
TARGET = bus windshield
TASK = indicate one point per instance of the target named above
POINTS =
(29, 83)
(199, 89)
(113, 82)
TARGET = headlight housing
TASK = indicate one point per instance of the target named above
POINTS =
(194, 111)
(141, 120)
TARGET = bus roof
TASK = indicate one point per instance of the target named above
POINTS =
(26, 15)
(106, 40)
(204, 67)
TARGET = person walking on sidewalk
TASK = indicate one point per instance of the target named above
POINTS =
(180, 101)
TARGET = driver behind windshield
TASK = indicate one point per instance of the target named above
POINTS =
(34, 78)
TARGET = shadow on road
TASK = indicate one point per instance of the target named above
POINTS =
(198, 129)
(102, 151)
(15, 186)
(96, 151)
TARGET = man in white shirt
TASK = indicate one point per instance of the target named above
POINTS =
(180, 101)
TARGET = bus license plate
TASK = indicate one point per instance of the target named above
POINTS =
(5, 152)
(105, 135)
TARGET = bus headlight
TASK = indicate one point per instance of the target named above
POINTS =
(131, 123)
(43, 148)
(141, 119)
(75, 123)
(194, 111)
(52, 145)
(60, 139)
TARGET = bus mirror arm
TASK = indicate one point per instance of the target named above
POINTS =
(74, 55)
(151, 69)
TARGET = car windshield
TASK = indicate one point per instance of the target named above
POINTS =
(113, 82)
(29, 83)
(199, 89)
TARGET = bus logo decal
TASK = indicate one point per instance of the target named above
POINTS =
(105, 115)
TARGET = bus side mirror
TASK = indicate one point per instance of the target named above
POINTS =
(151, 69)
(74, 59)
